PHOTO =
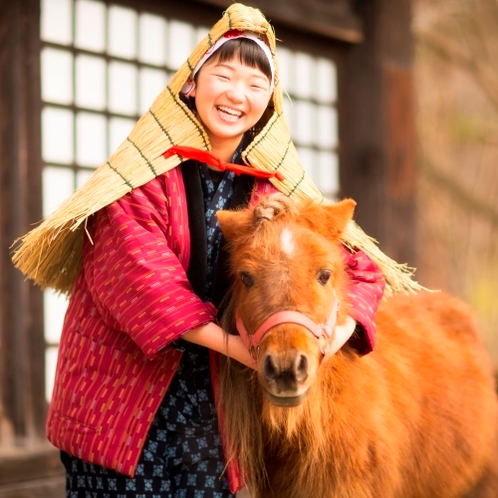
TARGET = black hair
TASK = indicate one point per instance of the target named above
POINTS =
(247, 51)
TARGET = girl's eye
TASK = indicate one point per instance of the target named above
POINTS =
(246, 279)
(324, 276)
(259, 84)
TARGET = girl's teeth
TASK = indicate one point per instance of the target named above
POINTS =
(229, 111)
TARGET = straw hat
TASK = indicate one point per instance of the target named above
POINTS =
(51, 254)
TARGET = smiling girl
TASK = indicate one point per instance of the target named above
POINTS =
(232, 91)
(133, 407)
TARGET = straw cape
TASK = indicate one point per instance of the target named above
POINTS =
(51, 254)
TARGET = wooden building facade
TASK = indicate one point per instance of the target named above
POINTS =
(366, 45)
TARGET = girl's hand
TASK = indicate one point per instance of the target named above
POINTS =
(341, 335)
(238, 351)
(212, 336)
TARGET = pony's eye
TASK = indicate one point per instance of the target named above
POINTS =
(324, 276)
(247, 280)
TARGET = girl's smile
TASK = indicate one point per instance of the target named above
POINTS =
(229, 113)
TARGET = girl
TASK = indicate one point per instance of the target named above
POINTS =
(132, 407)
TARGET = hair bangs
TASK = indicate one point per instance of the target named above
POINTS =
(248, 53)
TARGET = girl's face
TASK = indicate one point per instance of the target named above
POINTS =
(230, 98)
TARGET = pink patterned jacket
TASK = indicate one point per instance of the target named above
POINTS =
(130, 301)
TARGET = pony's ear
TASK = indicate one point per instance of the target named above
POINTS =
(338, 215)
(329, 220)
(232, 223)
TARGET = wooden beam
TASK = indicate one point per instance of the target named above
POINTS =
(22, 388)
(32, 473)
(39, 462)
(328, 18)
(377, 129)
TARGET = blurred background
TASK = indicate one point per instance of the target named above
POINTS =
(392, 103)
(456, 81)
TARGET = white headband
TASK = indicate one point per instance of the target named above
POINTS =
(230, 35)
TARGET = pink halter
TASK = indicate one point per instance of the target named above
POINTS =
(319, 330)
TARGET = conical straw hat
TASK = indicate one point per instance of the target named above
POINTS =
(51, 254)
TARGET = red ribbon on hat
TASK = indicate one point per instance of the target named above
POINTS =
(212, 160)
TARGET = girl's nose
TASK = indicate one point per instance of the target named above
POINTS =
(236, 93)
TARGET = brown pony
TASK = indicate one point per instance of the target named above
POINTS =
(417, 418)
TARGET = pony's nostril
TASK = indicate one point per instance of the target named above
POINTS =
(301, 367)
(287, 373)
(269, 368)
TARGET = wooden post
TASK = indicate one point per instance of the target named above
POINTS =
(377, 129)
(22, 390)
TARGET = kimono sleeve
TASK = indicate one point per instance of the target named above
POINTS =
(134, 270)
(365, 292)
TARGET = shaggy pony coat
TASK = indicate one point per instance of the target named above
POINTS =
(416, 418)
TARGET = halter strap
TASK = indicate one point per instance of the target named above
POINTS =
(319, 330)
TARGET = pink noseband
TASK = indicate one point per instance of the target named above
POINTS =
(319, 330)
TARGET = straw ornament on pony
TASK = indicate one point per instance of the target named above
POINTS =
(51, 253)
(417, 418)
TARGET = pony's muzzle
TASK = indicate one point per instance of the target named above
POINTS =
(284, 375)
